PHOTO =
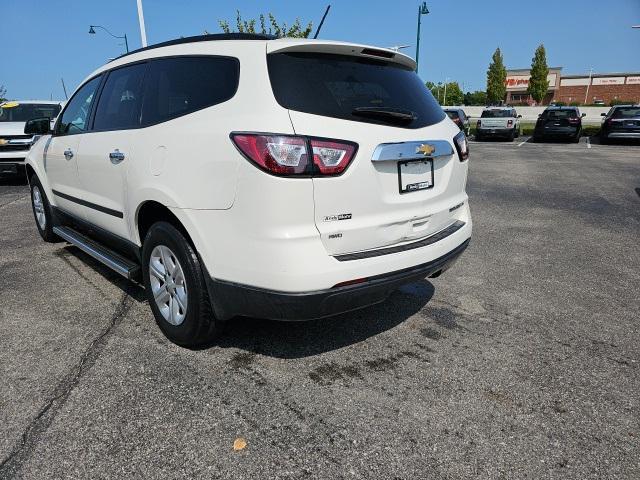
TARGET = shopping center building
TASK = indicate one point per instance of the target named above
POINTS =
(595, 88)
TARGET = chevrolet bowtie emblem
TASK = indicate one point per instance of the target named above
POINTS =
(3, 141)
(426, 149)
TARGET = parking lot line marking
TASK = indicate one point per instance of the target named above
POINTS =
(522, 143)
(588, 142)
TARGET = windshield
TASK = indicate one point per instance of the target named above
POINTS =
(498, 114)
(352, 88)
(26, 111)
(626, 112)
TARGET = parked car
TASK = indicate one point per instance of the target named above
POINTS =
(238, 174)
(459, 118)
(622, 121)
(559, 122)
(501, 122)
(14, 144)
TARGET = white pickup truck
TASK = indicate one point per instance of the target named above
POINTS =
(14, 144)
(498, 122)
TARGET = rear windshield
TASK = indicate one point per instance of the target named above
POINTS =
(498, 114)
(27, 111)
(452, 114)
(561, 113)
(352, 88)
(626, 112)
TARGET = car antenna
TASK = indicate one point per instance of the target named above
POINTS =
(322, 21)
(65, 89)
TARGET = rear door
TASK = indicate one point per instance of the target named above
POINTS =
(107, 150)
(404, 177)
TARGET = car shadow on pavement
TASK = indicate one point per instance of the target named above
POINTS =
(131, 288)
(290, 340)
(281, 339)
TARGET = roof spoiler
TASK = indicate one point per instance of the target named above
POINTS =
(340, 48)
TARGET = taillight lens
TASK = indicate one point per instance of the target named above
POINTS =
(331, 158)
(479, 122)
(509, 123)
(288, 155)
(574, 120)
(462, 146)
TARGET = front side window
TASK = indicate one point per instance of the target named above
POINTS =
(121, 99)
(452, 114)
(181, 85)
(76, 114)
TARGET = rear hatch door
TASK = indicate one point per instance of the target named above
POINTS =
(371, 204)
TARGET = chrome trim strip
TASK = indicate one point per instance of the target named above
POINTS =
(100, 254)
(408, 150)
(436, 237)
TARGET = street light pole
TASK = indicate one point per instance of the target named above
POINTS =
(422, 10)
(143, 30)
(586, 94)
(92, 31)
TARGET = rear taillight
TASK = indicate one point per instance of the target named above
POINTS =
(509, 123)
(478, 123)
(574, 120)
(288, 155)
(331, 157)
(462, 146)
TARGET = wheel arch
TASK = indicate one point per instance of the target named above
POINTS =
(152, 211)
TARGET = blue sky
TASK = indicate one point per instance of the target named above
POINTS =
(46, 40)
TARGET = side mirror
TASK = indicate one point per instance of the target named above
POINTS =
(603, 114)
(38, 126)
(519, 116)
(583, 115)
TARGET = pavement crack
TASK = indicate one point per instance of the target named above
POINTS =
(13, 201)
(11, 465)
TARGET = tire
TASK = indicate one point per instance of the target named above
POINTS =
(42, 212)
(478, 137)
(512, 136)
(604, 140)
(186, 318)
(535, 139)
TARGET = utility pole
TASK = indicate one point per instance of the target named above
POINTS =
(422, 10)
(143, 32)
(446, 80)
(586, 94)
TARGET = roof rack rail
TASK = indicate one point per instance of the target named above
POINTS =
(202, 38)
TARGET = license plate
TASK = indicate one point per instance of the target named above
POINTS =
(414, 175)
(493, 131)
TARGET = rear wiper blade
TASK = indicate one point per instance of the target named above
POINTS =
(386, 112)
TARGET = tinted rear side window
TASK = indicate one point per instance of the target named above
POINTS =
(119, 104)
(182, 85)
(337, 85)
(452, 114)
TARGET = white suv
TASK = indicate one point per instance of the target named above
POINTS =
(245, 175)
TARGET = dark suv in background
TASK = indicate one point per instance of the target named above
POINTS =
(559, 122)
(622, 121)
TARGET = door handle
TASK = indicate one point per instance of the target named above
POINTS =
(68, 154)
(116, 156)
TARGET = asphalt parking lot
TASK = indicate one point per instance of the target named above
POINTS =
(522, 361)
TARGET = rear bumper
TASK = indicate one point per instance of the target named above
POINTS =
(496, 132)
(232, 299)
(619, 134)
(558, 132)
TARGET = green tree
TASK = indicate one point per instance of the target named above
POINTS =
(496, 78)
(3, 93)
(270, 27)
(538, 83)
(475, 98)
(454, 95)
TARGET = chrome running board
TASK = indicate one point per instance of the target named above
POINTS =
(115, 262)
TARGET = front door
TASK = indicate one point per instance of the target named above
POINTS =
(62, 151)
(106, 153)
